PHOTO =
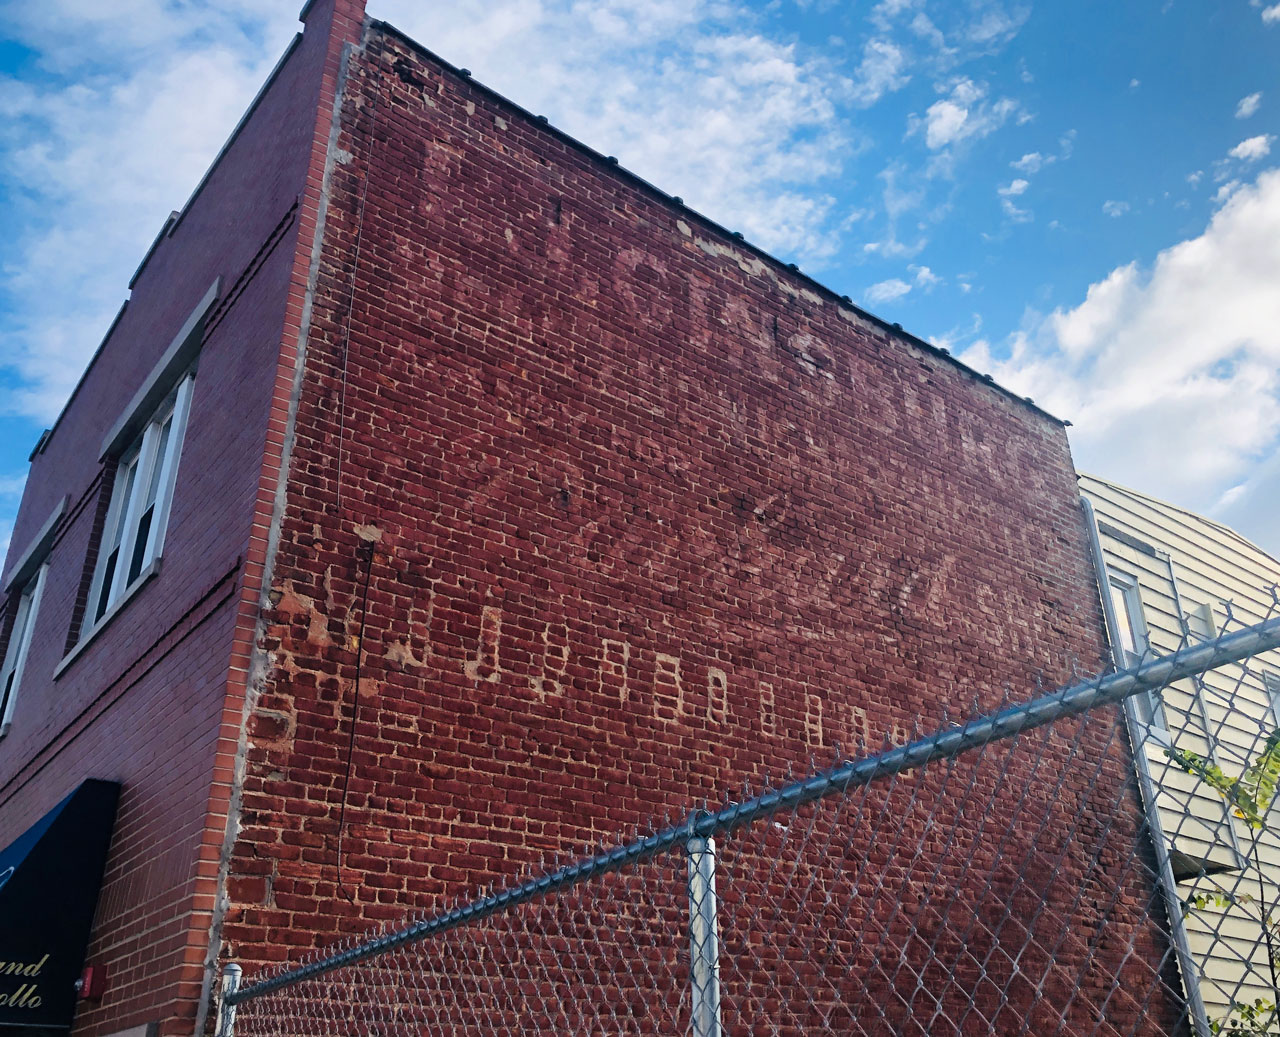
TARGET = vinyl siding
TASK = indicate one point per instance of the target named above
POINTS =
(1226, 714)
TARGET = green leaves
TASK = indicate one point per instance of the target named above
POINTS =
(1251, 794)
(1217, 898)
(1250, 797)
(1259, 781)
(1246, 1017)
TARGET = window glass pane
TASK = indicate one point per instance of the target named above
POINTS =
(157, 469)
(16, 652)
(108, 576)
(1120, 602)
(140, 545)
(15, 639)
(8, 692)
(125, 479)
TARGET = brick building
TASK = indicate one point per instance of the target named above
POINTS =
(445, 496)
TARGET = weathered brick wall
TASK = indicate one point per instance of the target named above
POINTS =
(649, 515)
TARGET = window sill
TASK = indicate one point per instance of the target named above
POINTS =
(117, 606)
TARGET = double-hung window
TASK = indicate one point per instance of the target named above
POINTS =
(1127, 603)
(139, 510)
(15, 655)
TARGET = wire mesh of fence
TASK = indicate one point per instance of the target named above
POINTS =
(1098, 860)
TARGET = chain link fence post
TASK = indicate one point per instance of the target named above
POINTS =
(227, 1010)
(704, 938)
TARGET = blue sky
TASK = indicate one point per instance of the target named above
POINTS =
(1083, 199)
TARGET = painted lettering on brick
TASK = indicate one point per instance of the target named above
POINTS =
(717, 695)
(555, 661)
(668, 688)
(615, 666)
(768, 710)
(484, 665)
(859, 728)
(813, 718)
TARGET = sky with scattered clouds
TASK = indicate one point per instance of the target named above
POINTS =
(1081, 199)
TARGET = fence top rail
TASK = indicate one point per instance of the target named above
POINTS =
(947, 742)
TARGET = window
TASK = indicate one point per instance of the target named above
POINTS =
(1128, 605)
(19, 641)
(1271, 681)
(1134, 644)
(140, 497)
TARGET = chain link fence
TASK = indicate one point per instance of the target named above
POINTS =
(1097, 860)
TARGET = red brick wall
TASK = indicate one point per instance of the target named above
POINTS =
(649, 514)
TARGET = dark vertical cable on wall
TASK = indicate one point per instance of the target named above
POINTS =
(366, 550)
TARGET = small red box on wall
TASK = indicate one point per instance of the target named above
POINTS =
(92, 983)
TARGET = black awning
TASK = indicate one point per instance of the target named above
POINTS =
(49, 879)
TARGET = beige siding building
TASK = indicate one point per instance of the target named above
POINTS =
(1172, 577)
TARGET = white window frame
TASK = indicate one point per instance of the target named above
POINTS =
(1126, 599)
(15, 656)
(1271, 684)
(142, 465)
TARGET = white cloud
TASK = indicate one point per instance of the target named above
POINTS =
(10, 493)
(1032, 162)
(1253, 148)
(887, 291)
(886, 12)
(1248, 105)
(945, 123)
(901, 195)
(925, 278)
(685, 92)
(1134, 84)
(1271, 15)
(1194, 178)
(1115, 209)
(1226, 191)
(883, 70)
(962, 115)
(955, 337)
(923, 26)
(1172, 375)
(1014, 189)
(995, 26)
(114, 95)
(1014, 213)
(954, 33)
